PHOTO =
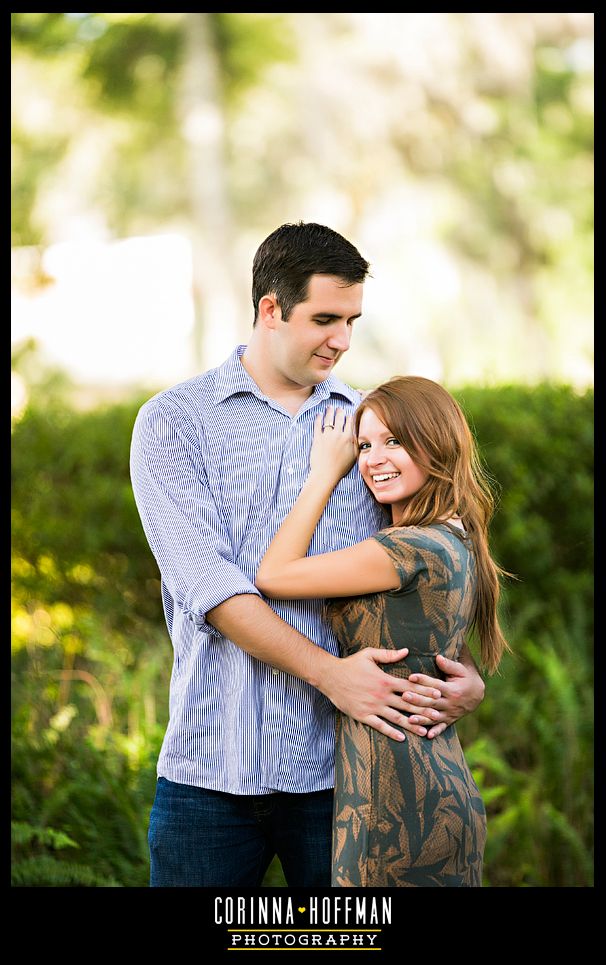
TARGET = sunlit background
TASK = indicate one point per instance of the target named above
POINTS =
(151, 154)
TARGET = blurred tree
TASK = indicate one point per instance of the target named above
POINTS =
(161, 87)
(456, 147)
(203, 126)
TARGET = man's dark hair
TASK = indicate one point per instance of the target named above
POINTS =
(291, 254)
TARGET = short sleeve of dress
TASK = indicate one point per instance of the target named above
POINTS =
(402, 547)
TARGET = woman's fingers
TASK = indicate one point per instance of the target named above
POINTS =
(425, 719)
(424, 680)
(336, 420)
(422, 697)
(318, 425)
(328, 422)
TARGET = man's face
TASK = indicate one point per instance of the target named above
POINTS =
(306, 348)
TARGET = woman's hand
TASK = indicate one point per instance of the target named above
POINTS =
(332, 455)
(334, 450)
(461, 692)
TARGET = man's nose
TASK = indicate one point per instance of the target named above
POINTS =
(340, 337)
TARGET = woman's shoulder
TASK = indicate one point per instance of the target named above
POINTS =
(444, 537)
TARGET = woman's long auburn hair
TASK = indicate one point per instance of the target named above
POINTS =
(431, 426)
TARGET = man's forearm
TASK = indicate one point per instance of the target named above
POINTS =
(354, 684)
(252, 625)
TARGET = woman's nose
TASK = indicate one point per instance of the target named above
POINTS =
(375, 458)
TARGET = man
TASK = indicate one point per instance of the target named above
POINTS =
(246, 766)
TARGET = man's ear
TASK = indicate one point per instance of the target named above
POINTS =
(269, 311)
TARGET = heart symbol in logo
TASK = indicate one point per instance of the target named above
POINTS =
(302, 909)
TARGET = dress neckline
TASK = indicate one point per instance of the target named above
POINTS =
(457, 530)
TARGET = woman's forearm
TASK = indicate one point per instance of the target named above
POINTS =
(292, 540)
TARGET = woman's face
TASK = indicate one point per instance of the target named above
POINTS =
(386, 467)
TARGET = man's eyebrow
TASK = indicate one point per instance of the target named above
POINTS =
(329, 317)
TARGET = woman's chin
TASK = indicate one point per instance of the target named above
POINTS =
(381, 498)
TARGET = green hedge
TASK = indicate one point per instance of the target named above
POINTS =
(92, 659)
(538, 444)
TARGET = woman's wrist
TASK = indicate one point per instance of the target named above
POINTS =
(320, 482)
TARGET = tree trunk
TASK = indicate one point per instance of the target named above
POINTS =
(203, 127)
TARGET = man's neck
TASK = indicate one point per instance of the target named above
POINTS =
(275, 386)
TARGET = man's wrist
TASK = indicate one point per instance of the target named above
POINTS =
(321, 667)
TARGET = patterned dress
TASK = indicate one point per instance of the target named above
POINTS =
(408, 814)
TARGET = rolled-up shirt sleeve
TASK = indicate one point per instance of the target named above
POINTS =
(179, 515)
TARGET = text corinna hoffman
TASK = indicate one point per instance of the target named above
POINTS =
(335, 910)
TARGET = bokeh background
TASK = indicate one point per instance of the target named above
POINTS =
(151, 154)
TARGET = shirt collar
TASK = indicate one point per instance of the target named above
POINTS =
(232, 378)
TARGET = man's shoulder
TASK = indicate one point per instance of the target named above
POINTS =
(337, 387)
(188, 396)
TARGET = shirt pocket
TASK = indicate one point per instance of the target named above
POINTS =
(244, 486)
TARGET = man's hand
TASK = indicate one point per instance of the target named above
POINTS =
(360, 689)
(461, 693)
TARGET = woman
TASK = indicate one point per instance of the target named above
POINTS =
(406, 814)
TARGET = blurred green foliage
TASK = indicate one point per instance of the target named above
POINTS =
(92, 658)
(126, 72)
(522, 188)
(531, 741)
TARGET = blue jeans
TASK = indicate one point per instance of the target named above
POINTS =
(208, 839)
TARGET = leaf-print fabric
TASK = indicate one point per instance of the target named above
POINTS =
(408, 814)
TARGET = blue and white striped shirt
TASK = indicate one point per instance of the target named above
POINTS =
(216, 465)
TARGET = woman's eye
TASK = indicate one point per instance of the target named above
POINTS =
(393, 442)
(363, 445)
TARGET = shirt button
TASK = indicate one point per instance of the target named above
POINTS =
(275, 672)
(290, 470)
